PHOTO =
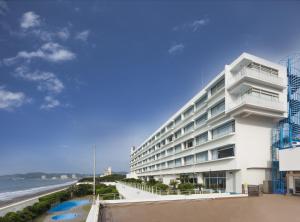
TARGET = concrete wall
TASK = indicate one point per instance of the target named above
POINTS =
(289, 159)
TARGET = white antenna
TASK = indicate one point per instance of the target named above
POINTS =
(94, 184)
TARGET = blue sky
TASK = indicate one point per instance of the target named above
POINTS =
(74, 74)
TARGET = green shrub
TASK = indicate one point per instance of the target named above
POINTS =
(185, 186)
(161, 186)
(132, 180)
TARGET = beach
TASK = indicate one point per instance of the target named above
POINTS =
(18, 203)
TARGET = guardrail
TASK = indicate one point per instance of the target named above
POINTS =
(170, 191)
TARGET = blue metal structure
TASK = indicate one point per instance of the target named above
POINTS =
(287, 131)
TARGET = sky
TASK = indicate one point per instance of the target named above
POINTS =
(74, 74)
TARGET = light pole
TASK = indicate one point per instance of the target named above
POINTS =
(94, 184)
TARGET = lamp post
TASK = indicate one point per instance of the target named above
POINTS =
(94, 184)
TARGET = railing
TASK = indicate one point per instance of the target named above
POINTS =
(257, 74)
(171, 191)
(257, 101)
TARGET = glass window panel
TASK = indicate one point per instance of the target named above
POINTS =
(219, 108)
(218, 86)
(202, 157)
(199, 103)
(201, 119)
(202, 138)
(223, 130)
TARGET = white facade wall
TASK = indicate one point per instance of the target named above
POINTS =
(254, 92)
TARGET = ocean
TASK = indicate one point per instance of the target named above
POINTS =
(12, 188)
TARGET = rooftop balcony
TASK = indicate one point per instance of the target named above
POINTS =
(254, 76)
(250, 103)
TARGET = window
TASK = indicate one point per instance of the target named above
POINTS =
(170, 126)
(223, 130)
(157, 135)
(215, 180)
(202, 138)
(158, 166)
(162, 131)
(178, 148)
(177, 134)
(189, 160)
(170, 138)
(189, 128)
(199, 103)
(188, 112)
(170, 151)
(163, 142)
(201, 120)
(188, 144)
(217, 109)
(163, 165)
(219, 85)
(158, 156)
(178, 162)
(177, 120)
(171, 163)
(202, 157)
(162, 154)
(223, 152)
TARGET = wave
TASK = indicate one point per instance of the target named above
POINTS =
(13, 194)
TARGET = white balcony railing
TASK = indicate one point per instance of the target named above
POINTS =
(258, 75)
(257, 101)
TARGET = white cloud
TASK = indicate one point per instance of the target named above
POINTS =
(193, 26)
(197, 24)
(10, 100)
(176, 49)
(29, 20)
(63, 34)
(3, 7)
(50, 103)
(83, 35)
(47, 81)
(50, 51)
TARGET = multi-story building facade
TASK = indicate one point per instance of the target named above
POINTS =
(221, 138)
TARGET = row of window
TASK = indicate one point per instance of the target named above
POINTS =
(201, 120)
(216, 133)
(216, 154)
(188, 112)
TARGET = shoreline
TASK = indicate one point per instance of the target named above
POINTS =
(21, 202)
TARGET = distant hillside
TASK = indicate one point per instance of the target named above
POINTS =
(38, 175)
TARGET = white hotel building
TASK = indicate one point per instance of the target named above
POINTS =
(222, 136)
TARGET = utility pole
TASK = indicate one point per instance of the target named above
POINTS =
(94, 184)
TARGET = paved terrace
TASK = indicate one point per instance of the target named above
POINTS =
(266, 208)
(132, 195)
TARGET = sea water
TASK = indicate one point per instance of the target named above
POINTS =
(12, 188)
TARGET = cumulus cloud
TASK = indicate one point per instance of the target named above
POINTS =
(3, 7)
(83, 36)
(194, 26)
(50, 51)
(50, 103)
(10, 100)
(29, 20)
(47, 81)
(176, 49)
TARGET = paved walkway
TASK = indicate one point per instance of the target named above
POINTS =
(133, 195)
(267, 208)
